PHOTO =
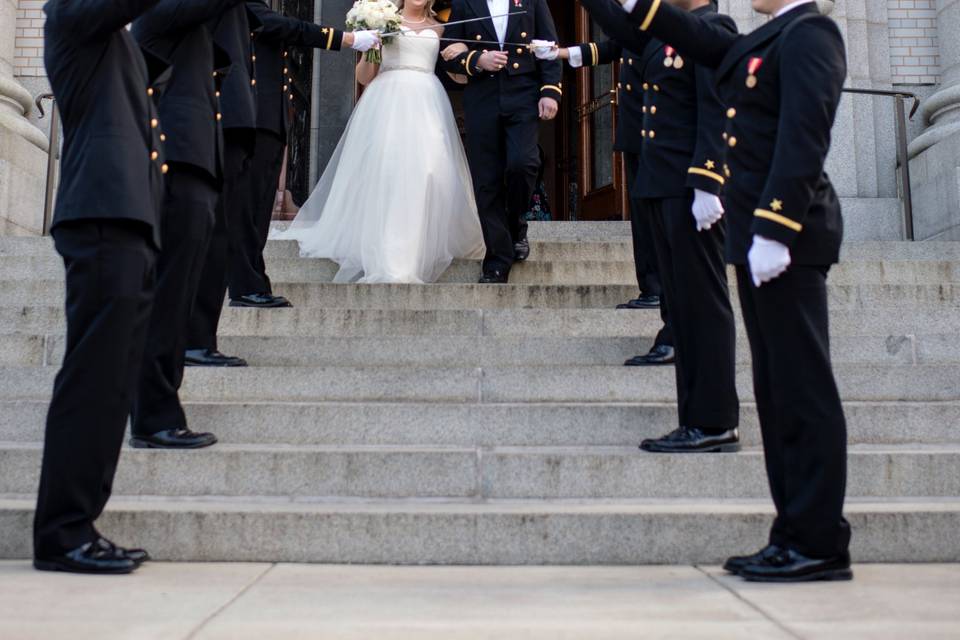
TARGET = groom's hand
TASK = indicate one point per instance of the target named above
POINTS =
(548, 108)
(492, 60)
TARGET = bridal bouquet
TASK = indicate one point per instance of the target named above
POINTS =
(377, 15)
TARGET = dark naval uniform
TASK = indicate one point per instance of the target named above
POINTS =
(247, 273)
(678, 122)
(502, 118)
(190, 117)
(630, 117)
(107, 229)
(782, 85)
(233, 31)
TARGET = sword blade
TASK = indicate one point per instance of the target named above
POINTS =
(450, 24)
(526, 45)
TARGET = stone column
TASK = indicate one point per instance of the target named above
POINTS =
(935, 164)
(23, 158)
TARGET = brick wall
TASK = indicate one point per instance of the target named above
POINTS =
(28, 56)
(914, 57)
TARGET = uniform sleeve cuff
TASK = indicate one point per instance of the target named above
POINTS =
(775, 226)
(554, 91)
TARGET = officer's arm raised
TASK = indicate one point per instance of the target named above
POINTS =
(704, 42)
(284, 29)
(85, 20)
(176, 15)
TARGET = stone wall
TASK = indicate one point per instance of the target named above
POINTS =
(914, 52)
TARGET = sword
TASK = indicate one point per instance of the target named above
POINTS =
(526, 45)
(450, 24)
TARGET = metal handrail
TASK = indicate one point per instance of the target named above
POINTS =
(903, 160)
(53, 157)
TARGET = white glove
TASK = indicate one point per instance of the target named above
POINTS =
(707, 209)
(768, 259)
(365, 40)
(628, 5)
(545, 49)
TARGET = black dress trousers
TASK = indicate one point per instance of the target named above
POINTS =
(504, 160)
(644, 253)
(109, 281)
(247, 273)
(189, 203)
(202, 329)
(694, 277)
(801, 418)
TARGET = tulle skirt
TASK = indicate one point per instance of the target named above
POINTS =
(396, 201)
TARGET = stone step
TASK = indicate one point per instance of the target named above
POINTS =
(596, 384)
(511, 296)
(612, 532)
(490, 351)
(486, 473)
(284, 271)
(489, 425)
(572, 323)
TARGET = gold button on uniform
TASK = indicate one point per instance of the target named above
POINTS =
(644, 109)
(643, 133)
(219, 116)
(732, 141)
(479, 37)
(150, 91)
(629, 88)
(163, 138)
(253, 82)
(164, 169)
(523, 34)
(154, 123)
(519, 51)
(653, 109)
(154, 155)
(253, 58)
(646, 86)
(731, 113)
(656, 87)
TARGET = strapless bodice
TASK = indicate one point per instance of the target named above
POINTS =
(415, 51)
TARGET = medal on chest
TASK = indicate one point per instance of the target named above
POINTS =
(672, 59)
(518, 3)
(752, 68)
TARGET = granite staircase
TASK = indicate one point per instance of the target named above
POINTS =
(464, 424)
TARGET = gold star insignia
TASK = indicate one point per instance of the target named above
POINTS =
(776, 205)
(710, 164)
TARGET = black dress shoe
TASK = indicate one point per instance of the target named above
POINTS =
(261, 301)
(660, 354)
(521, 250)
(211, 358)
(180, 438)
(790, 566)
(137, 555)
(735, 564)
(495, 277)
(692, 440)
(643, 302)
(98, 556)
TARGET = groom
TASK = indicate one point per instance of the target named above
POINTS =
(508, 91)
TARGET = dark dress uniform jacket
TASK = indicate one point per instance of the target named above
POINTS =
(782, 85)
(272, 71)
(524, 74)
(176, 29)
(112, 164)
(672, 114)
(234, 31)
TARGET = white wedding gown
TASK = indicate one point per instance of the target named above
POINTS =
(396, 201)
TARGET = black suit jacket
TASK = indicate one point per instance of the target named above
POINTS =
(524, 77)
(234, 31)
(176, 29)
(272, 72)
(782, 85)
(112, 163)
(671, 113)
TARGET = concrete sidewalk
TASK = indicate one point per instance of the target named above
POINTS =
(281, 602)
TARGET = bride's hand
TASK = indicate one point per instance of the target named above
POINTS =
(454, 50)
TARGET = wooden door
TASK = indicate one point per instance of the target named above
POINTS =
(601, 169)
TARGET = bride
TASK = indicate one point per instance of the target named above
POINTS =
(396, 202)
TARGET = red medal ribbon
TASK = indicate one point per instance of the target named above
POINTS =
(669, 51)
(754, 65)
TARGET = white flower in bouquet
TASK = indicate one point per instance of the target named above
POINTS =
(377, 15)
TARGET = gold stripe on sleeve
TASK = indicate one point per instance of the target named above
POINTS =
(553, 87)
(779, 219)
(709, 174)
(650, 15)
(330, 38)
